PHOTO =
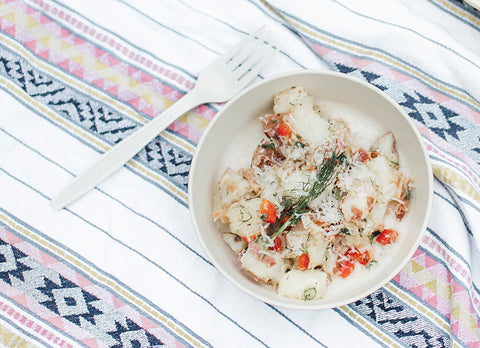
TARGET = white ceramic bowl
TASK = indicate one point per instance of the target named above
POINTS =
(233, 134)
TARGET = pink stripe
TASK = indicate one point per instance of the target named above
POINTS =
(472, 175)
(433, 245)
(443, 99)
(403, 79)
(71, 274)
(21, 319)
(117, 46)
(120, 92)
(443, 305)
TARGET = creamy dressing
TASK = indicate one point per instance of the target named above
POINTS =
(364, 132)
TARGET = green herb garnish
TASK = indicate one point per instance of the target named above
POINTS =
(339, 194)
(309, 294)
(374, 235)
(245, 214)
(394, 163)
(371, 263)
(345, 231)
(299, 206)
(268, 146)
(262, 242)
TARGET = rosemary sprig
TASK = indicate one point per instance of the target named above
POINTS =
(325, 175)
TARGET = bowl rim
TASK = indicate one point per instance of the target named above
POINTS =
(305, 305)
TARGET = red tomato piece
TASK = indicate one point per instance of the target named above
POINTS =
(247, 239)
(303, 261)
(269, 210)
(279, 244)
(284, 130)
(345, 268)
(387, 236)
(356, 255)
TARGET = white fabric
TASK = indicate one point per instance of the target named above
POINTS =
(136, 230)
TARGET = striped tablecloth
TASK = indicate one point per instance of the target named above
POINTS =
(122, 266)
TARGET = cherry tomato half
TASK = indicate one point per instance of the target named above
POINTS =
(269, 211)
(345, 268)
(279, 244)
(303, 261)
(356, 255)
(387, 236)
(284, 130)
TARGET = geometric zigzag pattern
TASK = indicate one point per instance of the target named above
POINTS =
(444, 122)
(106, 124)
(400, 321)
(94, 117)
(52, 291)
(434, 285)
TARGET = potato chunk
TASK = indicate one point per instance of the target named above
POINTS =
(244, 218)
(263, 271)
(304, 285)
(283, 102)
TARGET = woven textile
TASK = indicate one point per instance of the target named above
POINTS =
(122, 265)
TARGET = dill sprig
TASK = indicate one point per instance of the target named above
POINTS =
(325, 175)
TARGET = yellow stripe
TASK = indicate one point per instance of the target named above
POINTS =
(37, 31)
(419, 307)
(460, 12)
(65, 78)
(457, 181)
(62, 254)
(391, 61)
(443, 290)
(80, 132)
(373, 330)
(376, 55)
(10, 339)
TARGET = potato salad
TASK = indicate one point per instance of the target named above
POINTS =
(313, 205)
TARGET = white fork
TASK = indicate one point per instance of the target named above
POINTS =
(218, 82)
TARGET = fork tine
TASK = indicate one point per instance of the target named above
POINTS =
(256, 62)
(247, 50)
(231, 52)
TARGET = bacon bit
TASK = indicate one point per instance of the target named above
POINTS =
(374, 154)
(370, 201)
(231, 186)
(219, 214)
(266, 157)
(341, 140)
(400, 210)
(356, 213)
(254, 248)
(249, 175)
(271, 122)
(363, 155)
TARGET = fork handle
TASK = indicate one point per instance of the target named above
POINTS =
(121, 153)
